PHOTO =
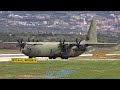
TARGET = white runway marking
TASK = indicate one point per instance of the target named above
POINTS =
(98, 59)
(7, 57)
(86, 54)
(24, 55)
(92, 54)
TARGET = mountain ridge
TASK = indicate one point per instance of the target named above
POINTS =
(59, 21)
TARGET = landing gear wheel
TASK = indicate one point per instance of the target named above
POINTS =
(50, 57)
(54, 57)
(30, 57)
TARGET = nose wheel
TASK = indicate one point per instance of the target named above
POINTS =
(30, 57)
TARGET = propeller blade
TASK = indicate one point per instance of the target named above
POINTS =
(33, 40)
(18, 41)
(28, 39)
(63, 41)
(79, 41)
(60, 42)
(76, 40)
(21, 40)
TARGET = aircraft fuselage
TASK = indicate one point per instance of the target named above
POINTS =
(50, 49)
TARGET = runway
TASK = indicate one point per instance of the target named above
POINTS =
(7, 57)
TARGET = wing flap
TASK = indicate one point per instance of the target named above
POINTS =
(102, 44)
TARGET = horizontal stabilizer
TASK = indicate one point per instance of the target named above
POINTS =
(96, 44)
(102, 44)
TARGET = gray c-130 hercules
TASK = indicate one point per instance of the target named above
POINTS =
(61, 49)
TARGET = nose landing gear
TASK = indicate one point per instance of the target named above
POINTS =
(30, 57)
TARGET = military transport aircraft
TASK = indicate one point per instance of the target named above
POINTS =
(61, 49)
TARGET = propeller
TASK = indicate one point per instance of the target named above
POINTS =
(21, 44)
(82, 47)
(62, 44)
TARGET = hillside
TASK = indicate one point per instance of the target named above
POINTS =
(68, 22)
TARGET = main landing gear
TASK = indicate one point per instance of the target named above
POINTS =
(61, 57)
(52, 57)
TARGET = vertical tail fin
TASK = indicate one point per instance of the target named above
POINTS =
(92, 35)
(91, 38)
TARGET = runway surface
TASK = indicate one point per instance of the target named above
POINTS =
(7, 57)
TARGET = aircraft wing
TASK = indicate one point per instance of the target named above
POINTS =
(102, 44)
(9, 42)
(97, 44)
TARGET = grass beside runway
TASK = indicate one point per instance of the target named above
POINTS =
(61, 69)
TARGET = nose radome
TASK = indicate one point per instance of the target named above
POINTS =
(24, 51)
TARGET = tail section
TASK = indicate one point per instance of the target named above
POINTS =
(91, 38)
(92, 35)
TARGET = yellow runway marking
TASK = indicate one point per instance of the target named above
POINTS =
(24, 60)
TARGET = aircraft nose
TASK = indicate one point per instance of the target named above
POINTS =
(24, 51)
